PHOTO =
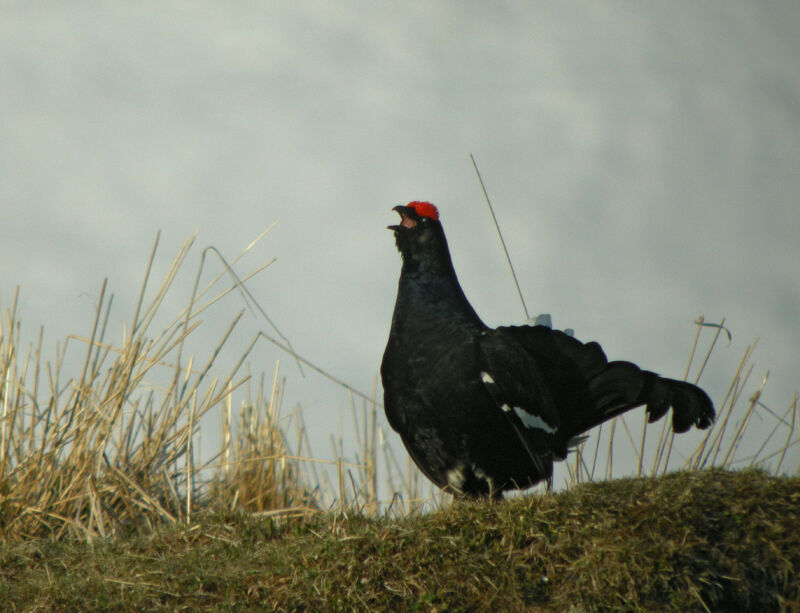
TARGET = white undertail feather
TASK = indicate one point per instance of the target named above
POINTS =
(483, 476)
(456, 477)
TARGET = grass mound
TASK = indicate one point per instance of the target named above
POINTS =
(692, 541)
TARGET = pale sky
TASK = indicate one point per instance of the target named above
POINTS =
(642, 159)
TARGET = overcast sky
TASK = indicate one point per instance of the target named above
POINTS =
(643, 159)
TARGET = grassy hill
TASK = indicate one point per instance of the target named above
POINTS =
(691, 541)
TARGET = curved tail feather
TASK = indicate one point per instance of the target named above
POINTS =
(622, 386)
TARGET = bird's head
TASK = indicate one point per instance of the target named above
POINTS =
(414, 213)
(419, 231)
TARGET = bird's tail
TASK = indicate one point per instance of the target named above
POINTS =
(613, 387)
(622, 386)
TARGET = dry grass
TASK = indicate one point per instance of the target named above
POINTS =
(112, 448)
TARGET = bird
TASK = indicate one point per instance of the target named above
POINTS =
(483, 411)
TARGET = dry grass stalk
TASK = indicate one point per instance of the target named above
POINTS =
(260, 472)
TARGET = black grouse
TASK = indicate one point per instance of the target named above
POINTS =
(484, 410)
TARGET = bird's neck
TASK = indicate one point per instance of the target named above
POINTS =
(430, 296)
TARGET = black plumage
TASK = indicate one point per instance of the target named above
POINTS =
(484, 410)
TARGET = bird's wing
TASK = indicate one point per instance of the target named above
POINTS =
(515, 383)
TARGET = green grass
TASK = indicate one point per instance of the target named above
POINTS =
(691, 541)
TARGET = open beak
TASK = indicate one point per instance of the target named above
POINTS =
(405, 220)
